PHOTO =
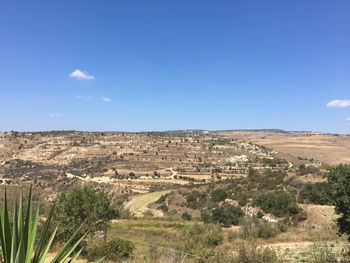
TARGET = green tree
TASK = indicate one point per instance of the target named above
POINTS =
(278, 203)
(218, 195)
(318, 193)
(227, 215)
(339, 180)
(84, 204)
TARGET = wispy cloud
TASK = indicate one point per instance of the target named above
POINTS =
(347, 119)
(106, 99)
(84, 98)
(79, 74)
(338, 103)
(55, 115)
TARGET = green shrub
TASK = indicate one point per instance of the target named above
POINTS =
(280, 204)
(115, 249)
(339, 182)
(318, 193)
(273, 162)
(124, 213)
(227, 215)
(271, 180)
(148, 214)
(252, 227)
(242, 198)
(253, 174)
(220, 255)
(206, 217)
(172, 212)
(251, 253)
(283, 225)
(218, 195)
(119, 248)
(201, 237)
(308, 169)
(196, 199)
(87, 205)
(266, 230)
(186, 216)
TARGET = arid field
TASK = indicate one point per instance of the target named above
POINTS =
(326, 148)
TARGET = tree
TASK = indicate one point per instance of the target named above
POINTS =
(218, 195)
(318, 193)
(278, 203)
(86, 205)
(339, 181)
(227, 215)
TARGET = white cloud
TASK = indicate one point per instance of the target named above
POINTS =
(106, 99)
(55, 115)
(78, 74)
(338, 103)
(347, 119)
(84, 98)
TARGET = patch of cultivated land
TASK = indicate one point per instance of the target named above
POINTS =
(139, 203)
(327, 148)
(319, 216)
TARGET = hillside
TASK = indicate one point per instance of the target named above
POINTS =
(325, 148)
(235, 186)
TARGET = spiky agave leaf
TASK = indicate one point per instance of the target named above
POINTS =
(18, 242)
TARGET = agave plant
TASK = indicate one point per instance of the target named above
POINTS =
(18, 243)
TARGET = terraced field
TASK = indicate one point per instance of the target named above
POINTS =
(326, 148)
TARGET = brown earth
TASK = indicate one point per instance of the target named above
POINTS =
(326, 148)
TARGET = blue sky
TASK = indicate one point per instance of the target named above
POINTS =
(175, 64)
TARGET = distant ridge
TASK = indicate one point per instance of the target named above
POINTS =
(183, 132)
(258, 130)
